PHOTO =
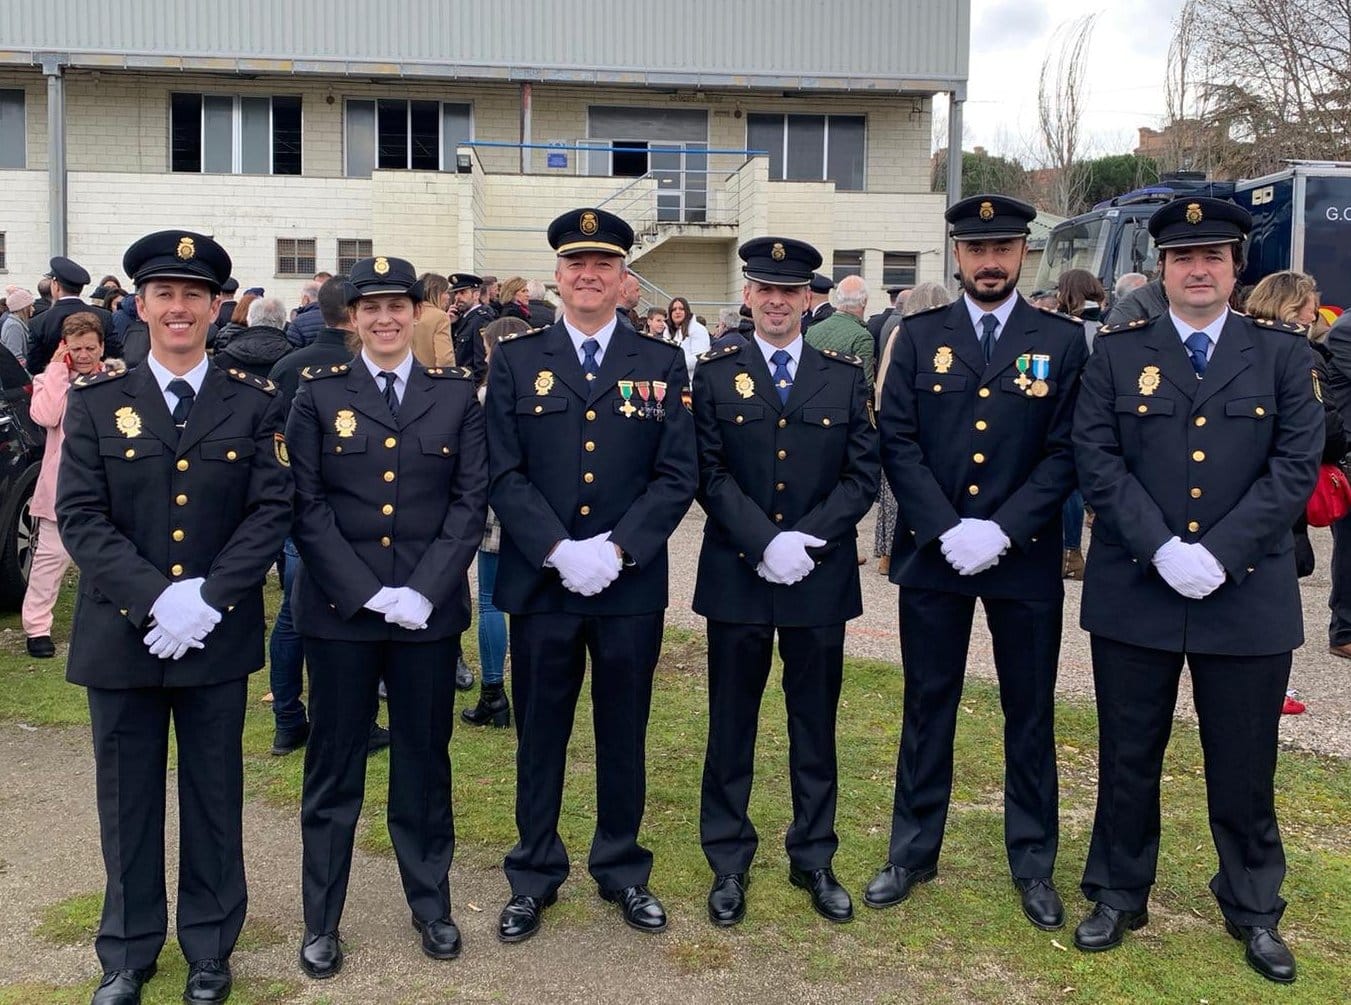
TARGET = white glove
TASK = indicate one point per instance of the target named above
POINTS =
(786, 560)
(974, 545)
(182, 613)
(587, 566)
(383, 600)
(410, 609)
(1189, 569)
(166, 647)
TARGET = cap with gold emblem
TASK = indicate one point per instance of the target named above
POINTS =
(71, 275)
(1193, 221)
(463, 281)
(779, 261)
(372, 276)
(177, 254)
(989, 218)
(590, 230)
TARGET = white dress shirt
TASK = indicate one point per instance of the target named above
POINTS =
(978, 310)
(793, 348)
(400, 372)
(603, 337)
(1212, 330)
(194, 377)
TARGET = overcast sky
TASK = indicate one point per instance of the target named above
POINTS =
(1009, 40)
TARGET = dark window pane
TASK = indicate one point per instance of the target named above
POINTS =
(765, 132)
(255, 136)
(286, 135)
(806, 147)
(845, 141)
(360, 138)
(218, 134)
(846, 263)
(295, 256)
(185, 132)
(13, 128)
(631, 160)
(425, 136)
(899, 268)
(392, 134)
(2, 251)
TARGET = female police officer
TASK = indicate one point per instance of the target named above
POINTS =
(390, 463)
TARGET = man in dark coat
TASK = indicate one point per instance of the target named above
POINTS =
(819, 306)
(67, 280)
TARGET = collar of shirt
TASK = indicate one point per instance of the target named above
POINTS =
(400, 372)
(603, 337)
(1184, 330)
(162, 376)
(793, 348)
(1002, 312)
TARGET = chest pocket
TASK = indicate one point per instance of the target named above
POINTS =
(442, 445)
(1143, 405)
(729, 411)
(1010, 384)
(541, 405)
(940, 383)
(129, 448)
(828, 417)
(235, 448)
(1261, 406)
(335, 444)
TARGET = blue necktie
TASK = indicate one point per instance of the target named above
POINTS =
(589, 365)
(1197, 344)
(180, 387)
(989, 323)
(783, 380)
(391, 399)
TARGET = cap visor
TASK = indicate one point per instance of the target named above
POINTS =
(196, 277)
(577, 247)
(764, 277)
(990, 235)
(1196, 242)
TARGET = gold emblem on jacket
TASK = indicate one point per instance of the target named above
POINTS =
(744, 385)
(544, 382)
(1149, 380)
(128, 422)
(943, 359)
(345, 423)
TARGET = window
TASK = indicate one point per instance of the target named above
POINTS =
(810, 147)
(846, 263)
(296, 256)
(900, 268)
(350, 251)
(230, 134)
(14, 129)
(3, 266)
(396, 133)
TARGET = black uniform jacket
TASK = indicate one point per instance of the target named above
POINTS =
(44, 331)
(1228, 461)
(962, 439)
(383, 501)
(567, 462)
(764, 467)
(141, 505)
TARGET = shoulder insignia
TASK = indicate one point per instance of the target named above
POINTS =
(1106, 330)
(524, 334)
(450, 372)
(720, 352)
(1278, 326)
(661, 338)
(244, 377)
(320, 372)
(1061, 314)
(842, 357)
(927, 310)
(102, 377)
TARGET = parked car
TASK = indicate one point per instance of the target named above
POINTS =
(21, 441)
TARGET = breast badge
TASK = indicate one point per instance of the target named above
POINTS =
(943, 359)
(345, 423)
(128, 422)
(1149, 380)
(1041, 369)
(1024, 363)
(544, 382)
(744, 385)
(626, 392)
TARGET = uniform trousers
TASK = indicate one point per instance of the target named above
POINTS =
(548, 662)
(344, 687)
(935, 638)
(738, 669)
(1339, 599)
(1238, 706)
(50, 562)
(131, 752)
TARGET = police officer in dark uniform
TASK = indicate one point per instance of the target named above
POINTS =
(173, 499)
(1198, 437)
(593, 467)
(468, 317)
(975, 426)
(44, 331)
(390, 460)
(787, 468)
(813, 312)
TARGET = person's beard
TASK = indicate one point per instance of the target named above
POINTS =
(1000, 293)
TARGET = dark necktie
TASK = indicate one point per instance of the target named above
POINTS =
(1197, 344)
(183, 390)
(391, 399)
(589, 364)
(988, 323)
(783, 380)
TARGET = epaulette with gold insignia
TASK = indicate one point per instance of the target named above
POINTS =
(841, 357)
(1061, 315)
(451, 372)
(665, 340)
(720, 352)
(1279, 326)
(102, 377)
(253, 380)
(320, 372)
(927, 310)
(524, 334)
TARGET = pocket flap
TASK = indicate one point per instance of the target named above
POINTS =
(1010, 384)
(335, 444)
(541, 405)
(1143, 404)
(1259, 406)
(940, 383)
(439, 444)
(739, 412)
(235, 448)
(129, 448)
(825, 416)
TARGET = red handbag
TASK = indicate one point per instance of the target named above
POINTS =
(1331, 499)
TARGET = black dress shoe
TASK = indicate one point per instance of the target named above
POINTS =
(1041, 903)
(829, 899)
(290, 740)
(440, 939)
(209, 982)
(41, 647)
(640, 907)
(727, 899)
(321, 955)
(520, 918)
(1265, 951)
(464, 677)
(1106, 927)
(122, 987)
(894, 883)
(378, 740)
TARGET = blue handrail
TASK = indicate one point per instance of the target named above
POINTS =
(607, 148)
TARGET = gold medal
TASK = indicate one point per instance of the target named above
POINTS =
(544, 382)
(128, 422)
(943, 359)
(744, 385)
(345, 423)
(1039, 389)
(1149, 380)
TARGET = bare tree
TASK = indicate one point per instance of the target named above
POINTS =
(1062, 98)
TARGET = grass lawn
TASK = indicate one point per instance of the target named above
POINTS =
(960, 938)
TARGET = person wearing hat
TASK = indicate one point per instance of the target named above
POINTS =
(390, 462)
(173, 498)
(67, 280)
(14, 326)
(593, 466)
(467, 318)
(1198, 436)
(879, 319)
(227, 304)
(778, 556)
(975, 425)
(818, 306)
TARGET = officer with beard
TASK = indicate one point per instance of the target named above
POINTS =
(975, 433)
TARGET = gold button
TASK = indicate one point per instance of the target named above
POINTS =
(445, 450)
(782, 423)
(176, 569)
(973, 489)
(588, 478)
(387, 509)
(1196, 493)
(178, 535)
(182, 465)
(1142, 409)
(389, 476)
(740, 419)
(984, 392)
(825, 422)
(982, 425)
(590, 415)
(391, 442)
(539, 409)
(1200, 420)
(1259, 410)
(385, 542)
(230, 455)
(1193, 526)
(123, 611)
(1250, 568)
(590, 445)
(778, 518)
(1198, 455)
(129, 454)
(780, 487)
(938, 389)
(978, 458)
(338, 449)
(585, 511)
(782, 454)
(181, 500)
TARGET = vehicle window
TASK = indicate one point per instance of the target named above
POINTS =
(1073, 245)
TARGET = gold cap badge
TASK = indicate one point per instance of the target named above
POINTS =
(777, 252)
(381, 265)
(589, 224)
(987, 211)
(186, 248)
(1194, 213)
